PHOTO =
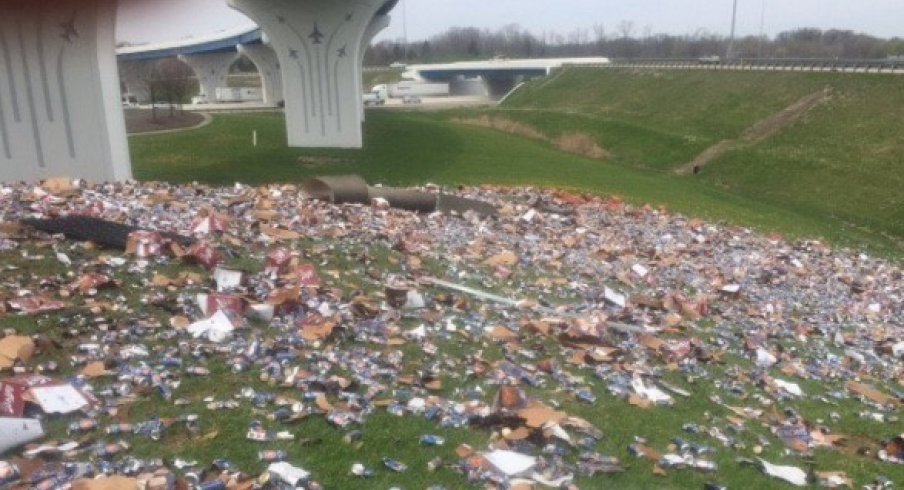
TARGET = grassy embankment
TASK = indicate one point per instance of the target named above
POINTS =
(841, 164)
(835, 173)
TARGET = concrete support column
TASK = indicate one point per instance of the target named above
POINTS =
(135, 75)
(318, 43)
(264, 58)
(211, 70)
(60, 106)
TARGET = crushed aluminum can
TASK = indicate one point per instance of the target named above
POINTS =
(9, 473)
(82, 426)
(434, 464)
(362, 471)
(272, 455)
(394, 465)
(432, 440)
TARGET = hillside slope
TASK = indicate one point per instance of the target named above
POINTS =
(843, 160)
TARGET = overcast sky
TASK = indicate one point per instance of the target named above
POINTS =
(159, 20)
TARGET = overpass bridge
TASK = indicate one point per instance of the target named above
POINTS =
(497, 76)
(60, 106)
(210, 58)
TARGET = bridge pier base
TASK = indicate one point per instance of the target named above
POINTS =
(264, 58)
(60, 106)
(211, 70)
(318, 44)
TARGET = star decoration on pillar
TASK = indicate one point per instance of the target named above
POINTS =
(317, 36)
(280, 19)
(69, 30)
(342, 52)
(348, 16)
(293, 53)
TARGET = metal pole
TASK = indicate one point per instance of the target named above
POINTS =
(734, 18)
(405, 31)
(759, 47)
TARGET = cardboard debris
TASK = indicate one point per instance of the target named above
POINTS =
(108, 483)
(95, 370)
(538, 415)
(318, 331)
(871, 393)
(502, 334)
(280, 233)
(59, 186)
(505, 259)
(15, 348)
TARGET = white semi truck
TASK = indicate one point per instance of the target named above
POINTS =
(411, 89)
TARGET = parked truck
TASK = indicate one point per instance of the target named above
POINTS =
(411, 89)
(374, 97)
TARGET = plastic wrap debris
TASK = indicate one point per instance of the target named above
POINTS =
(790, 474)
(227, 279)
(511, 463)
(217, 328)
(650, 393)
(789, 387)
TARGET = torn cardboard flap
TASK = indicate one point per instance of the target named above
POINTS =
(108, 483)
(505, 259)
(15, 348)
(95, 370)
(537, 415)
(871, 393)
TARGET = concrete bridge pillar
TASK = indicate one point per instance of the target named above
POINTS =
(211, 70)
(264, 58)
(319, 43)
(135, 75)
(60, 106)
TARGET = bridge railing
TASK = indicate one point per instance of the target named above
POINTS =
(769, 64)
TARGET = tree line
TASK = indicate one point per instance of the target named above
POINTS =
(626, 41)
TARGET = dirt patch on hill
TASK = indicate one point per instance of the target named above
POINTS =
(581, 144)
(504, 125)
(576, 143)
(759, 132)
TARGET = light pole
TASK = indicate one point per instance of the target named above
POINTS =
(405, 31)
(730, 54)
(759, 49)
